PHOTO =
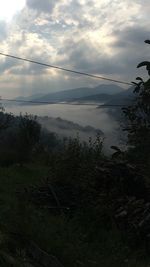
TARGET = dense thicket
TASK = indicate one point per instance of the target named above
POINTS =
(22, 139)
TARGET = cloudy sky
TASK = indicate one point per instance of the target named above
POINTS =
(103, 37)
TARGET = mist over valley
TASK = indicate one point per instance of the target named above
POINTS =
(76, 112)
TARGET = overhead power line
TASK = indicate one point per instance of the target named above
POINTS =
(64, 69)
(60, 103)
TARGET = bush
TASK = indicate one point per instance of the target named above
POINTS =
(18, 139)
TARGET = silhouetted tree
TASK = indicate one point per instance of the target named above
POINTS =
(28, 136)
(5, 119)
(138, 116)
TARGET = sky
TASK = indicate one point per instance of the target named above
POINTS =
(101, 37)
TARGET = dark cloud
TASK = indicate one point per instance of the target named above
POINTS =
(128, 50)
(3, 30)
(7, 65)
(45, 6)
(83, 56)
(129, 45)
(135, 35)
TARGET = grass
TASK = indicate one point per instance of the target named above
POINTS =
(74, 241)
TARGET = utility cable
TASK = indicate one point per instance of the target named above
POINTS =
(64, 69)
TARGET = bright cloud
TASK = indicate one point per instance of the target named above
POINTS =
(9, 8)
(102, 37)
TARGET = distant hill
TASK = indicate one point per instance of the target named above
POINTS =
(29, 97)
(93, 98)
(123, 98)
(77, 93)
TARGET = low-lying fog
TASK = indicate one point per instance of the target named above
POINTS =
(84, 115)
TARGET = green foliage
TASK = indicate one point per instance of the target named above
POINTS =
(28, 136)
(138, 116)
(72, 170)
(5, 119)
(18, 138)
(77, 241)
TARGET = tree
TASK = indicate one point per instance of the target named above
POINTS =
(138, 117)
(5, 119)
(28, 136)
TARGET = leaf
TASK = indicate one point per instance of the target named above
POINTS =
(147, 41)
(139, 79)
(144, 63)
(148, 67)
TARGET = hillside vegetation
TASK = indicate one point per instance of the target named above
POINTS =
(64, 203)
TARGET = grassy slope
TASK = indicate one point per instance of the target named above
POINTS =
(75, 242)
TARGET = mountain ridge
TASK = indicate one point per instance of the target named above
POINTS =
(76, 93)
